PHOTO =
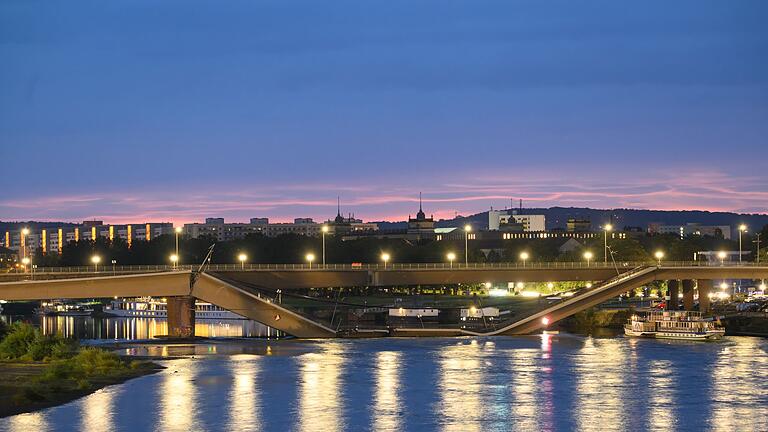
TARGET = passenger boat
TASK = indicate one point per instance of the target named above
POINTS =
(60, 308)
(673, 325)
(149, 307)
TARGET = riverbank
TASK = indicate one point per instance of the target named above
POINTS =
(25, 387)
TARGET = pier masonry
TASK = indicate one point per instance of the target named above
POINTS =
(181, 317)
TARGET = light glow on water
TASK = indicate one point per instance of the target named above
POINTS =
(537, 383)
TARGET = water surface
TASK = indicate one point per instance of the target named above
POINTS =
(547, 382)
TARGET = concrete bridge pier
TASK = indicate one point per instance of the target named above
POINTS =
(688, 285)
(181, 317)
(705, 287)
(673, 291)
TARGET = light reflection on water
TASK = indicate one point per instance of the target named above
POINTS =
(387, 410)
(527, 383)
(145, 328)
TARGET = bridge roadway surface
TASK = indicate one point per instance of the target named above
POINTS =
(231, 286)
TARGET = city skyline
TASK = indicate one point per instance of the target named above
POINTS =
(274, 111)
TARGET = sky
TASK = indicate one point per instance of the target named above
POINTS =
(140, 110)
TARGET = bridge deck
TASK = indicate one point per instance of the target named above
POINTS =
(230, 288)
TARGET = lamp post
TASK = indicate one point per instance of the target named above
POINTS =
(524, 256)
(467, 230)
(96, 260)
(174, 259)
(242, 257)
(451, 256)
(324, 230)
(177, 230)
(606, 229)
(385, 257)
(23, 239)
(722, 256)
(742, 229)
(588, 256)
(310, 257)
(659, 255)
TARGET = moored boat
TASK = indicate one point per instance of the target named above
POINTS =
(684, 325)
(149, 307)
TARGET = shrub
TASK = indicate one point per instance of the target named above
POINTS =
(18, 340)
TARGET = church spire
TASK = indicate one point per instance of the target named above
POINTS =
(420, 215)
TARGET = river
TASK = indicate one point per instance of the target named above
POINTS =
(546, 382)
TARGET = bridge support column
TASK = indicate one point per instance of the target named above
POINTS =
(672, 293)
(705, 287)
(688, 294)
(181, 317)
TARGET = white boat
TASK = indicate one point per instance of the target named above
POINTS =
(683, 325)
(149, 307)
(60, 308)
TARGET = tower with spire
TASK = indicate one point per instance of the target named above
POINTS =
(421, 227)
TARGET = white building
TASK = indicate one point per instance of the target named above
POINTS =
(498, 219)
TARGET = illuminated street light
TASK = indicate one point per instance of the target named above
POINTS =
(96, 260)
(24, 234)
(742, 229)
(451, 257)
(722, 255)
(606, 229)
(659, 255)
(310, 257)
(385, 258)
(467, 230)
(545, 321)
(25, 262)
(723, 285)
(177, 230)
(324, 229)
(588, 256)
(524, 256)
(242, 257)
(174, 259)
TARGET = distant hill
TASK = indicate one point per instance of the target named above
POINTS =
(556, 217)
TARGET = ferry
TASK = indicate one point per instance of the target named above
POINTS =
(149, 307)
(673, 325)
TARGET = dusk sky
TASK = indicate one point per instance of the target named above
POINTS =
(133, 111)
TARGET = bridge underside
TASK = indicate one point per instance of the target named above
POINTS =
(236, 291)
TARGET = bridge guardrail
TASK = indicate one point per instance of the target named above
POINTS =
(624, 265)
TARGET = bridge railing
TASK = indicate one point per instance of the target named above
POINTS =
(622, 266)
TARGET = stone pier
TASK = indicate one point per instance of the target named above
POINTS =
(673, 289)
(181, 317)
(704, 287)
(688, 285)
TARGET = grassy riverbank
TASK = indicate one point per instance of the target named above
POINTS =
(39, 371)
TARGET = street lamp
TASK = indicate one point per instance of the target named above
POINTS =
(524, 256)
(467, 230)
(659, 255)
(742, 229)
(96, 260)
(385, 258)
(324, 229)
(242, 257)
(722, 255)
(25, 262)
(451, 256)
(174, 259)
(24, 234)
(588, 256)
(606, 229)
(310, 257)
(177, 230)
